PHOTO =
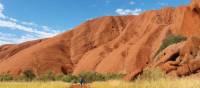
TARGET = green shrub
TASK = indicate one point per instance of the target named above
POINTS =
(170, 39)
(59, 77)
(27, 75)
(49, 76)
(93, 76)
(111, 76)
(152, 74)
(70, 78)
(89, 77)
(6, 77)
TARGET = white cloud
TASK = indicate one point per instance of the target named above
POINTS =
(31, 30)
(6, 38)
(14, 25)
(162, 3)
(46, 28)
(136, 11)
(26, 37)
(29, 23)
(4, 42)
(131, 2)
(1, 11)
(12, 19)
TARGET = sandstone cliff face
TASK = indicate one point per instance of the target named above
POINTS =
(114, 44)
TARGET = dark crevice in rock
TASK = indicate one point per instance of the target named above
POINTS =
(196, 10)
(174, 56)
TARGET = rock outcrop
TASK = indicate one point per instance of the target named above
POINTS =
(114, 44)
(180, 59)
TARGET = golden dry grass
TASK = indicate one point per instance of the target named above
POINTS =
(162, 83)
(34, 85)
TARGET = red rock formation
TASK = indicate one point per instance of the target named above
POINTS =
(181, 59)
(114, 44)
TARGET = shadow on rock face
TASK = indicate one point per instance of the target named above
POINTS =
(195, 6)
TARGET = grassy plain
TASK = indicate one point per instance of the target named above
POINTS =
(34, 85)
(161, 83)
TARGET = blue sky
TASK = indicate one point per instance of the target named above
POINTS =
(23, 20)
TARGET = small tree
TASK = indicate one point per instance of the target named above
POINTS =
(28, 75)
(6, 77)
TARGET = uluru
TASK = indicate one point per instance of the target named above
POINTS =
(125, 44)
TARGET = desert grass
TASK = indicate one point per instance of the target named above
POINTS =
(34, 85)
(161, 83)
